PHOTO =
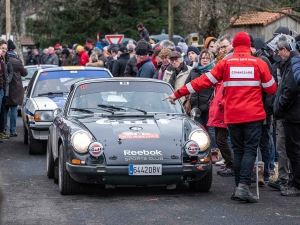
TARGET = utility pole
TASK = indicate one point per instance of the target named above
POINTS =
(8, 19)
(170, 19)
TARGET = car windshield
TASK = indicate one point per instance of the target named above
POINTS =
(123, 97)
(59, 82)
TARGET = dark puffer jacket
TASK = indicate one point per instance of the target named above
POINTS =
(200, 99)
(120, 65)
(131, 69)
(287, 100)
(16, 90)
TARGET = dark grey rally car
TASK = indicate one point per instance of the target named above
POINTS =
(120, 132)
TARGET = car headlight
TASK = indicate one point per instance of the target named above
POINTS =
(81, 140)
(201, 138)
(43, 116)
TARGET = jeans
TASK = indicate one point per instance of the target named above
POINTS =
(265, 146)
(211, 130)
(2, 92)
(13, 117)
(292, 146)
(245, 139)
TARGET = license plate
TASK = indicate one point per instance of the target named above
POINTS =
(140, 170)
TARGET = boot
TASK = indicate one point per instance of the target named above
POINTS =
(260, 173)
(243, 193)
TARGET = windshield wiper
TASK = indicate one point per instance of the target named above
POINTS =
(52, 93)
(121, 108)
(82, 110)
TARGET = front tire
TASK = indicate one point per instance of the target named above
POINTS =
(34, 146)
(202, 185)
(67, 186)
(25, 135)
(50, 161)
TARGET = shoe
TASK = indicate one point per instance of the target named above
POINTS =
(13, 135)
(220, 162)
(3, 136)
(276, 184)
(221, 170)
(243, 193)
(291, 192)
(227, 173)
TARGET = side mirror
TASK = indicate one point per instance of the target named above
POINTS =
(195, 113)
(56, 112)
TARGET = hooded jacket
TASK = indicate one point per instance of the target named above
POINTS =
(83, 58)
(296, 68)
(287, 100)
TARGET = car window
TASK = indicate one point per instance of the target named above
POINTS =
(30, 85)
(30, 71)
(146, 96)
(60, 81)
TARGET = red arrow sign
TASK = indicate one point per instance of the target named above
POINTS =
(114, 38)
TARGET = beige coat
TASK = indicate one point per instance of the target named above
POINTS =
(180, 79)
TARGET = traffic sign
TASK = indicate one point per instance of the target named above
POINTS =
(114, 38)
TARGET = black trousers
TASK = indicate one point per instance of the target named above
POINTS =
(221, 136)
(2, 128)
(292, 145)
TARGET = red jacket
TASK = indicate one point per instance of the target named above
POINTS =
(83, 58)
(216, 108)
(244, 78)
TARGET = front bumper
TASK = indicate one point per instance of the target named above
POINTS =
(118, 175)
(40, 131)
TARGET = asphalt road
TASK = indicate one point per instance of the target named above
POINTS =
(31, 198)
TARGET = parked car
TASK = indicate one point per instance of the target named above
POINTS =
(163, 36)
(119, 132)
(47, 90)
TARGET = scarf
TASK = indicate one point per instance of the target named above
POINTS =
(138, 65)
(12, 53)
(161, 72)
(206, 68)
(175, 72)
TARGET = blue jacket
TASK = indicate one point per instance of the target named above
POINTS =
(296, 68)
(146, 69)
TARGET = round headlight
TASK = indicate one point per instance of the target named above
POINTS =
(81, 141)
(201, 138)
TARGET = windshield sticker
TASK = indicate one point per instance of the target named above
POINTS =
(44, 74)
(117, 122)
(83, 86)
(135, 135)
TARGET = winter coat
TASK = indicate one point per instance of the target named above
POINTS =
(146, 68)
(29, 59)
(131, 69)
(37, 60)
(53, 60)
(67, 61)
(75, 60)
(16, 90)
(199, 99)
(96, 64)
(244, 78)
(216, 107)
(287, 100)
(83, 58)
(296, 68)
(44, 58)
(144, 34)
(103, 59)
(3, 73)
(120, 65)
(59, 56)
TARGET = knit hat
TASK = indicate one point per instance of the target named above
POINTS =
(79, 48)
(57, 46)
(252, 41)
(178, 49)
(10, 45)
(241, 39)
(193, 49)
(259, 43)
(183, 46)
(123, 49)
(65, 51)
(208, 41)
(142, 48)
(282, 30)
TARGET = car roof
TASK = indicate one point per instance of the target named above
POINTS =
(41, 65)
(124, 79)
(63, 68)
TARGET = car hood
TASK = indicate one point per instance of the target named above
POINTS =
(138, 139)
(50, 102)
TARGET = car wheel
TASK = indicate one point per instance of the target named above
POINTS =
(35, 146)
(67, 186)
(204, 184)
(25, 135)
(50, 161)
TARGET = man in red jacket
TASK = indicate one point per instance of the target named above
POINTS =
(244, 77)
(83, 56)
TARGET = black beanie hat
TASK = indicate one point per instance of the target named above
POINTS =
(282, 30)
(142, 48)
(10, 45)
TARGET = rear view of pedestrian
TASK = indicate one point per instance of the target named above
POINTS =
(66, 57)
(94, 61)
